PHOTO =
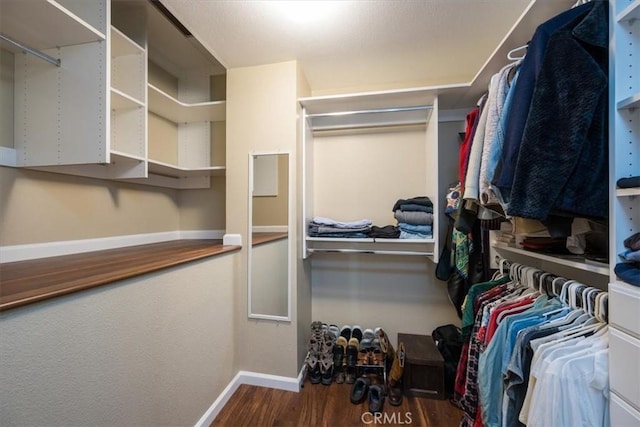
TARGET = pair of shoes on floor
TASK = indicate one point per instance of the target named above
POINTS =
(320, 365)
(352, 335)
(363, 389)
(370, 353)
(340, 359)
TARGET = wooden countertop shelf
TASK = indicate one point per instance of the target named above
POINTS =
(26, 282)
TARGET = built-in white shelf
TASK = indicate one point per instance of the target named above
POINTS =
(122, 45)
(372, 100)
(627, 192)
(573, 261)
(630, 102)
(410, 247)
(122, 101)
(370, 109)
(122, 156)
(176, 111)
(45, 24)
(630, 12)
(167, 169)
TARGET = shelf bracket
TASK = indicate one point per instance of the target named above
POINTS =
(26, 49)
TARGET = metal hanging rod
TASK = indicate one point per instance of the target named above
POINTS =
(375, 252)
(373, 111)
(23, 47)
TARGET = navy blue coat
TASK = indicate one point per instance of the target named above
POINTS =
(562, 166)
(523, 91)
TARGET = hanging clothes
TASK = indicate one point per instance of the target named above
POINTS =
(523, 91)
(523, 342)
(562, 167)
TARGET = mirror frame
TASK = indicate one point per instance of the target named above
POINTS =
(250, 314)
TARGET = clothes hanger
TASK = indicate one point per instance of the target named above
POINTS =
(580, 2)
(541, 281)
(575, 290)
(511, 54)
(555, 282)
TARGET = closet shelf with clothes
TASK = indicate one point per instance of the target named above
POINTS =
(408, 247)
(573, 261)
(328, 235)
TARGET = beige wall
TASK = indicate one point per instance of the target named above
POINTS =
(38, 207)
(154, 350)
(261, 116)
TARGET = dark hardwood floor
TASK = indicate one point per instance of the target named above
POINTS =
(320, 405)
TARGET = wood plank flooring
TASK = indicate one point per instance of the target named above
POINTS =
(319, 405)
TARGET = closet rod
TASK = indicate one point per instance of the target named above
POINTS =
(23, 47)
(380, 110)
(375, 252)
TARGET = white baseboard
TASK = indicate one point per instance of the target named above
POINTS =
(67, 247)
(249, 378)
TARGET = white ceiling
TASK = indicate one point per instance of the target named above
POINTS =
(362, 44)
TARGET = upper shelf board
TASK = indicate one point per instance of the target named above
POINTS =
(44, 24)
(173, 171)
(630, 12)
(176, 111)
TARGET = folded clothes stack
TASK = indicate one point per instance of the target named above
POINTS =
(327, 227)
(629, 269)
(415, 217)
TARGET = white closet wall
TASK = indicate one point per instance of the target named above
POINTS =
(624, 299)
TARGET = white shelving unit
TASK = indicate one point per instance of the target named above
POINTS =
(624, 128)
(82, 96)
(193, 121)
(365, 119)
(128, 126)
(60, 111)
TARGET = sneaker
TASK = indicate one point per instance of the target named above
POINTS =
(356, 332)
(345, 332)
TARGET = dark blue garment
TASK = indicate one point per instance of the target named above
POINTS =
(523, 91)
(628, 272)
(562, 165)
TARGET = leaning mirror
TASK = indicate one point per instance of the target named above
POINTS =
(269, 253)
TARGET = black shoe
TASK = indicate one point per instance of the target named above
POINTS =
(376, 399)
(326, 369)
(314, 371)
(359, 390)
(339, 359)
(352, 353)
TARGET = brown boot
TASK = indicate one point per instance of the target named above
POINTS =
(395, 377)
(386, 348)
